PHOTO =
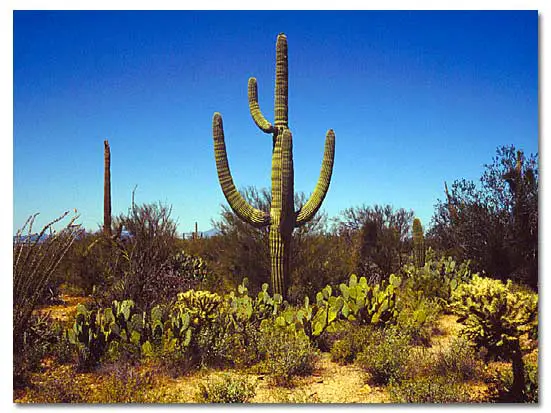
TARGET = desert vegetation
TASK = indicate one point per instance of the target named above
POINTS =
(285, 304)
(151, 317)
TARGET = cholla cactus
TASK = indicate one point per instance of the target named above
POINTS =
(282, 218)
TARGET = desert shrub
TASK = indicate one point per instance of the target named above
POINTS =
(459, 360)
(215, 346)
(327, 339)
(60, 388)
(376, 238)
(496, 317)
(35, 259)
(174, 362)
(346, 349)
(287, 353)
(90, 262)
(145, 255)
(62, 349)
(123, 384)
(226, 389)
(386, 356)
(429, 389)
(417, 314)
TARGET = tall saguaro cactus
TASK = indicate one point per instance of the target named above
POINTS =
(418, 244)
(106, 189)
(282, 218)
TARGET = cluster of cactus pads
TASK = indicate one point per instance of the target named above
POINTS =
(176, 328)
(282, 218)
(358, 301)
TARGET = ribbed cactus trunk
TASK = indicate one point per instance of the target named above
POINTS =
(418, 244)
(106, 189)
(282, 218)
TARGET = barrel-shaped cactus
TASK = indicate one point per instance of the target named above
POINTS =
(282, 218)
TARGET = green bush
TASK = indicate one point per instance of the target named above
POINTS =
(429, 389)
(459, 359)
(346, 349)
(386, 356)
(226, 389)
(417, 315)
(287, 353)
(123, 384)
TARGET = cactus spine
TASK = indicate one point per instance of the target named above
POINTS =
(282, 218)
(418, 244)
(106, 189)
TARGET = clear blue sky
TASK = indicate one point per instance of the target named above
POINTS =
(415, 99)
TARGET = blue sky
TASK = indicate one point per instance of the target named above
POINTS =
(415, 99)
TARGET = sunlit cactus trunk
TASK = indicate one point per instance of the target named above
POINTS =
(106, 189)
(418, 244)
(282, 218)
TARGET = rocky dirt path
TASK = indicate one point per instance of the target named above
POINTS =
(330, 383)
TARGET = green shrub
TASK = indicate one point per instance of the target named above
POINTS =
(386, 356)
(346, 349)
(288, 352)
(123, 384)
(459, 359)
(226, 389)
(429, 389)
(145, 258)
(417, 315)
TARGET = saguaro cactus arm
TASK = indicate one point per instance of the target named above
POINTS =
(237, 203)
(314, 202)
(254, 107)
(281, 109)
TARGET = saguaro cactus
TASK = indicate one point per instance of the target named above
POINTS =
(282, 218)
(418, 244)
(106, 189)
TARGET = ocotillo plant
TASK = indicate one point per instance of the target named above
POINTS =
(282, 218)
(106, 189)
(418, 244)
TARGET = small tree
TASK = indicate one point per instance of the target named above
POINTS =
(377, 237)
(496, 316)
(146, 253)
(493, 222)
